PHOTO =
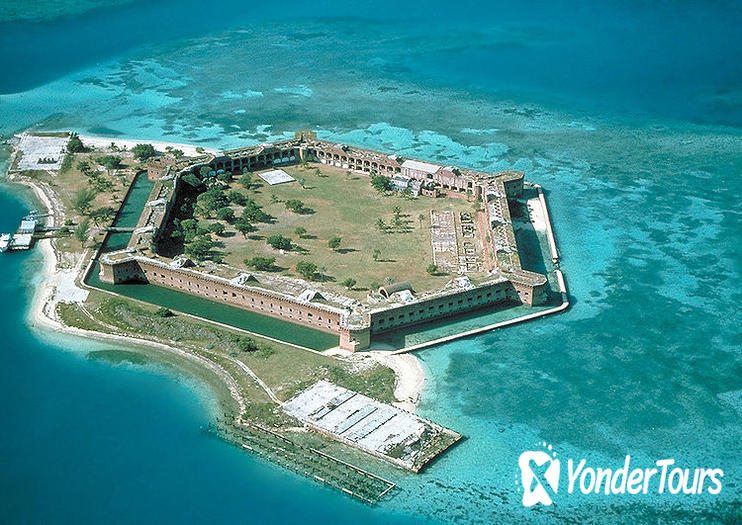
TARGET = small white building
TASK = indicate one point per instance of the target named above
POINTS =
(274, 177)
(400, 182)
(418, 170)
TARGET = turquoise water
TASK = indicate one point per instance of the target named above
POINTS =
(629, 116)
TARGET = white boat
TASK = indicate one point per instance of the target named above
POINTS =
(5, 239)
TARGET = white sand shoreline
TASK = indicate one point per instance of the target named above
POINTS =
(42, 311)
(160, 146)
(409, 377)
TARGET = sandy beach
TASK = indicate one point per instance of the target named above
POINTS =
(410, 377)
(104, 142)
(58, 283)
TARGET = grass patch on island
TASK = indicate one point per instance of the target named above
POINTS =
(285, 369)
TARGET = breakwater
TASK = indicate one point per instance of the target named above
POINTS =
(306, 461)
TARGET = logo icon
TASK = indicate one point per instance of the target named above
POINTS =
(539, 474)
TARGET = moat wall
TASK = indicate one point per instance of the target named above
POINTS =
(443, 306)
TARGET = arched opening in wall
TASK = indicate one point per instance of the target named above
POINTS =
(388, 290)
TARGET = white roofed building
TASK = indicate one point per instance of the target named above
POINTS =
(27, 226)
(419, 170)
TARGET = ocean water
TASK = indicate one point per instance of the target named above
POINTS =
(629, 116)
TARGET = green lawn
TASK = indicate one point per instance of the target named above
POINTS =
(345, 206)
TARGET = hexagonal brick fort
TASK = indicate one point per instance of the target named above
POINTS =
(294, 300)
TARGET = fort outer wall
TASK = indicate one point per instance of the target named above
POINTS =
(118, 268)
(442, 306)
(307, 147)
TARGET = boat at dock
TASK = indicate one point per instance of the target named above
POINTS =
(21, 241)
(23, 238)
(5, 239)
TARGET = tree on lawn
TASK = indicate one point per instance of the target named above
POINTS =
(212, 200)
(397, 220)
(177, 153)
(244, 226)
(279, 242)
(380, 224)
(307, 269)
(110, 162)
(225, 214)
(376, 254)
(189, 229)
(102, 215)
(349, 283)
(163, 312)
(217, 228)
(334, 243)
(84, 167)
(264, 264)
(296, 206)
(432, 269)
(82, 199)
(246, 180)
(100, 184)
(75, 145)
(300, 231)
(82, 231)
(237, 198)
(143, 151)
(254, 213)
(247, 344)
(199, 247)
(381, 183)
(192, 180)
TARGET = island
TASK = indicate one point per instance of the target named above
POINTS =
(294, 277)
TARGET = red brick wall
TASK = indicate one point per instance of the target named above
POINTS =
(249, 299)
